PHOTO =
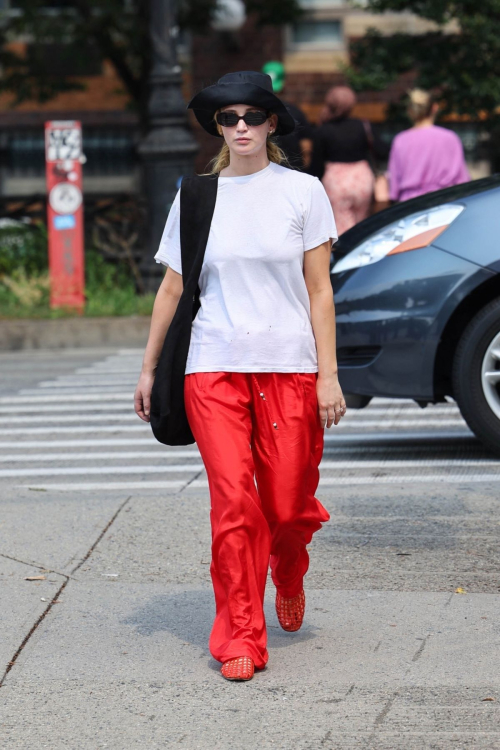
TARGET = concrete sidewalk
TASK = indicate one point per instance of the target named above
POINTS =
(110, 651)
(64, 333)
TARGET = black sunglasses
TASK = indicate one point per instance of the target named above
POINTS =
(230, 119)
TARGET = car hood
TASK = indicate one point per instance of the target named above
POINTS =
(459, 193)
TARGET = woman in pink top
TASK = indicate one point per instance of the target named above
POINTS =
(425, 157)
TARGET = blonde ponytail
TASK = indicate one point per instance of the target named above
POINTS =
(420, 104)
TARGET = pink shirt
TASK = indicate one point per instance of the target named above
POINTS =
(423, 160)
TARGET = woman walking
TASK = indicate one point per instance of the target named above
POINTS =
(342, 149)
(425, 157)
(261, 377)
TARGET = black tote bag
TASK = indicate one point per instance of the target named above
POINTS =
(168, 414)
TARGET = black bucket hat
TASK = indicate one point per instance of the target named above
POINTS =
(244, 87)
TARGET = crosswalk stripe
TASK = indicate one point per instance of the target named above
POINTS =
(74, 470)
(128, 383)
(109, 486)
(63, 418)
(386, 423)
(94, 456)
(50, 408)
(325, 465)
(129, 415)
(203, 484)
(80, 421)
(388, 479)
(407, 478)
(102, 405)
(140, 427)
(82, 393)
(105, 369)
(406, 464)
(148, 439)
(55, 398)
(93, 406)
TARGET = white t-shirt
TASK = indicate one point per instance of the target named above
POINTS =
(255, 310)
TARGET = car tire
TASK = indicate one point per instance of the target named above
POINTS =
(478, 395)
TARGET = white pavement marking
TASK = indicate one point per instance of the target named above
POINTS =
(104, 370)
(121, 382)
(84, 417)
(108, 442)
(102, 393)
(93, 430)
(51, 408)
(96, 406)
(400, 411)
(385, 423)
(202, 484)
(74, 471)
(56, 398)
(82, 392)
(100, 456)
(352, 464)
(406, 478)
(395, 479)
(93, 486)
(407, 464)
(63, 418)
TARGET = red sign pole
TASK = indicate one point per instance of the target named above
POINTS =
(63, 158)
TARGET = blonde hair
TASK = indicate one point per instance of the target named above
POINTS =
(420, 104)
(221, 160)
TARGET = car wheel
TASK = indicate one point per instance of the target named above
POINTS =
(476, 375)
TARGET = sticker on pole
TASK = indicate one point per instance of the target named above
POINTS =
(63, 141)
(65, 198)
(67, 221)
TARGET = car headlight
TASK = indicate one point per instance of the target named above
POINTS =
(413, 232)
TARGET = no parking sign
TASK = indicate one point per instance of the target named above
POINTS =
(63, 157)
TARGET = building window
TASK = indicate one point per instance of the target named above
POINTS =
(317, 34)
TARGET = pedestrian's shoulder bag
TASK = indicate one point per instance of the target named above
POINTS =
(168, 414)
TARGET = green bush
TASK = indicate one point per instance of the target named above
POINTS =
(24, 288)
(22, 246)
(110, 289)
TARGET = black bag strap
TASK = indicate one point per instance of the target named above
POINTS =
(197, 201)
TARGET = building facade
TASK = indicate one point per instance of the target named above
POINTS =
(314, 52)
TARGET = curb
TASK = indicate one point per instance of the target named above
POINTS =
(16, 335)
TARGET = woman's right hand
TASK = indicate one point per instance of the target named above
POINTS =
(142, 396)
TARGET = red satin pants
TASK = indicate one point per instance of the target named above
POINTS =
(261, 441)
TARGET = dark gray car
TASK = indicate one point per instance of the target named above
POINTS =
(417, 295)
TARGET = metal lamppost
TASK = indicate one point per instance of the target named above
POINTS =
(168, 149)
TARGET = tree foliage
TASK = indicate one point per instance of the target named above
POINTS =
(460, 58)
(115, 30)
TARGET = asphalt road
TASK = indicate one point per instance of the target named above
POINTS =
(401, 642)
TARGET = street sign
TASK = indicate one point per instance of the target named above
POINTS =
(63, 160)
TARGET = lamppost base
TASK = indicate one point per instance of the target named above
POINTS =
(167, 154)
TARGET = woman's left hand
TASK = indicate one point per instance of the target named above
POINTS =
(331, 402)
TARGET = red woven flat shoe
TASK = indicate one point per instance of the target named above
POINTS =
(291, 611)
(239, 669)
